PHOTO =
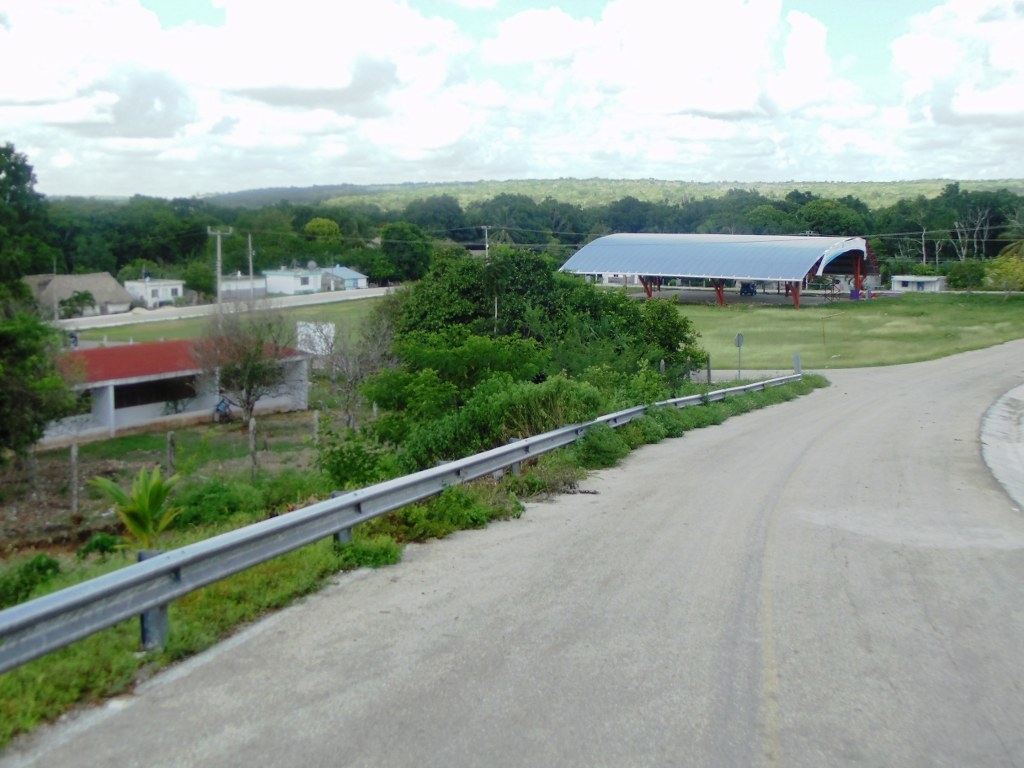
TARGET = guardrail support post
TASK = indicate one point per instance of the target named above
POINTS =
(797, 366)
(344, 536)
(154, 625)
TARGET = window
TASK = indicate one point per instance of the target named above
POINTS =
(154, 293)
(303, 281)
(174, 291)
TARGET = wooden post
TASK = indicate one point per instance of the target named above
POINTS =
(252, 446)
(170, 453)
(74, 478)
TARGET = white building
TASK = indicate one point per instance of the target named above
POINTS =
(153, 293)
(239, 287)
(291, 282)
(918, 283)
(338, 278)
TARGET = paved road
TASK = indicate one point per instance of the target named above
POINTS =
(833, 581)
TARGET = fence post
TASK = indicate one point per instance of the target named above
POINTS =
(170, 453)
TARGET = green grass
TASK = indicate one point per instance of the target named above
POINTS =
(847, 334)
(342, 312)
(844, 334)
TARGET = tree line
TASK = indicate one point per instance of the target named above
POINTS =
(169, 238)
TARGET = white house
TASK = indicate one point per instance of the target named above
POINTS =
(918, 283)
(155, 293)
(239, 287)
(338, 278)
(291, 282)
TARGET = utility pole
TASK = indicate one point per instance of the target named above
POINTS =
(252, 288)
(486, 243)
(218, 234)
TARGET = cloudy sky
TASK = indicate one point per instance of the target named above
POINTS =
(188, 97)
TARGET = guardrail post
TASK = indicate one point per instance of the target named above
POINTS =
(517, 466)
(797, 367)
(344, 536)
(154, 625)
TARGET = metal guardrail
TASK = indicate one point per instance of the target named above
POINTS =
(35, 628)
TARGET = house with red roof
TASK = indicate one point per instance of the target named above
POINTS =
(132, 386)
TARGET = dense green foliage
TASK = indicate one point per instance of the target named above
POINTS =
(18, 582)
(395, 233)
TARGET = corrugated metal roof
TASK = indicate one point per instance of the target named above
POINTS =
(144, 361)
(729, 257)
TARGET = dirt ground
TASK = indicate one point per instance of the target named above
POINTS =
(37, 512)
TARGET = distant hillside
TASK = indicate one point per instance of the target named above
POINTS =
(593, 192)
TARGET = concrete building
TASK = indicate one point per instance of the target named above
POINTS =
(156, 384)
(109, 296)
(338, 278)
(918, 283)
(291, 282)
(153, 293)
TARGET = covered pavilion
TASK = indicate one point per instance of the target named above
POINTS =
(789, 259)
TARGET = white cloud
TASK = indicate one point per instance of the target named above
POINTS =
(424, 90)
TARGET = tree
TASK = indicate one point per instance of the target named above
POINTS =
(32, 390)
(351, 359)
(408, 248)
(147, 510)
(319, 228)
(244, 351)
(76, 304)
(23, 246)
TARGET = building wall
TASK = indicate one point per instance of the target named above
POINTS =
(918, 284)
(291, 283)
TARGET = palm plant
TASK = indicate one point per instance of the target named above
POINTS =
(147, 510)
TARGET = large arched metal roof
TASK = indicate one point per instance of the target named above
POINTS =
(725, 257)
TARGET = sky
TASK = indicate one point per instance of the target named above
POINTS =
(182, 98)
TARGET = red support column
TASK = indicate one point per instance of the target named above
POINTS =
(719, 292)
(795, 288)
(647, 287)
(858, 278)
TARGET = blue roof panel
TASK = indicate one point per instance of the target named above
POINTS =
(729, 257)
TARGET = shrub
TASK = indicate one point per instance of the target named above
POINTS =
(651, 429)
(18, 583)
(552, 473)
(101, 544)
(670, 419)
(215, 501)
(600, 447)
(370, 552)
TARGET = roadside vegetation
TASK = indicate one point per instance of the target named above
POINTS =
(472, 351)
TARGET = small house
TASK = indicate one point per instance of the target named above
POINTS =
(109, 296)
(918, 283)
(153, 293)
(338, 278)
(292, 282)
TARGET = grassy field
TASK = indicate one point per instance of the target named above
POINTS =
(341, 312)
(846, 334)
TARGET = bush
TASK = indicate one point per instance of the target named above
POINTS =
(370, 552)
(550, 474)
(600, 447)
(19, 582)
(101, 544)
(651, 429)
(670, 419)
(215, 501)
